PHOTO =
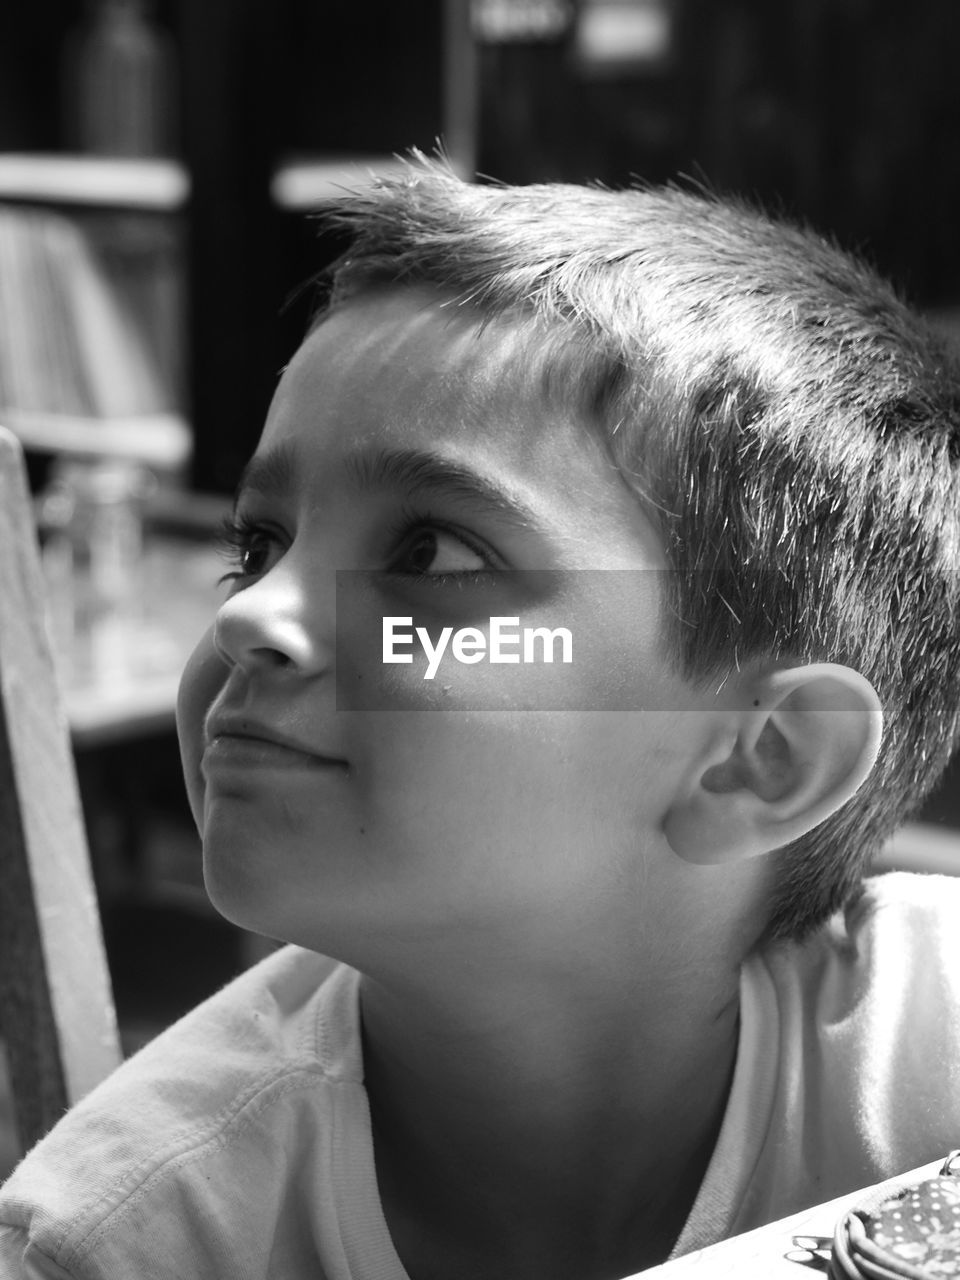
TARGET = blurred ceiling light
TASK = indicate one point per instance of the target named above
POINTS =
(613, 37)
(509, 21)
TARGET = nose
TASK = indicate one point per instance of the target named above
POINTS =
(275, 625)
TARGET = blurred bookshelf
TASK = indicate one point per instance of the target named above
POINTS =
(91, 306)
(269, 110)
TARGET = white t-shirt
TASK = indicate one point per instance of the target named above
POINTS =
(238, 1143)
(848, 1067)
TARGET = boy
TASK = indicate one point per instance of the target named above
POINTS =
(598, 1003)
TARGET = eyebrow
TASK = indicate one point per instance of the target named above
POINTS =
(423, 473)
(269, 474)
(418, 473)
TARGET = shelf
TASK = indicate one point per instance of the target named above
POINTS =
(93, 181)
(301, 184)
(158, 440)
(107, 713)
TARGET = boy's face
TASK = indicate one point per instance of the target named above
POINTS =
(405, 440)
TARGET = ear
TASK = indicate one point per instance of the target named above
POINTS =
(797, 747)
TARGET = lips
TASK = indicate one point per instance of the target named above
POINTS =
(242, 741)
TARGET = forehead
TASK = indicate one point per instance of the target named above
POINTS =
(420, 361)
(406, 368)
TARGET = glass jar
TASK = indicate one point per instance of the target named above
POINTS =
(90, 519)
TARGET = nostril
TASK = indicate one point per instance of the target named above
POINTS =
(240, 646)
(273, 626)
(272, 657)
(268, 639)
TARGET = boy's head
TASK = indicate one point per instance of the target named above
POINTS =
(506, 815)
(791, 429)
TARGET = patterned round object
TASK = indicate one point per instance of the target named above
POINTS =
(911, 1234)
(922, 1227)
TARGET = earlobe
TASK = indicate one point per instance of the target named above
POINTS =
(798, 745)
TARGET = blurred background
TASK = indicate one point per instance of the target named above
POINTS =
(158, 161)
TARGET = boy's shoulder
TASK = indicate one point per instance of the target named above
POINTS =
(848, 1069)
(916, 909)
(910, 900)
(900, 934)
(867, 1017)
(213, 1109)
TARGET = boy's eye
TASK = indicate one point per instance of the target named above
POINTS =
(438, 552)
(252, 549)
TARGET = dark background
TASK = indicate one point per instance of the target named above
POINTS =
(842, 112)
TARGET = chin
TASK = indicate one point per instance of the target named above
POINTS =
(238, 885)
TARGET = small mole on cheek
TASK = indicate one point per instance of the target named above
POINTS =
(756, 702)
(363, 831)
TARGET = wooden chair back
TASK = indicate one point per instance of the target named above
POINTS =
(57, 1018)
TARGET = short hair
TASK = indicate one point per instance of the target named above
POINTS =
(790, 426)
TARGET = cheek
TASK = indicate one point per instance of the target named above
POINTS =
(203, 678)
(503, 778)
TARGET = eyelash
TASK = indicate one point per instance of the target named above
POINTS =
(238, 536)
(410, 522)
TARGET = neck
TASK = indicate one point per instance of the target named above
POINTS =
(592, 1101)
